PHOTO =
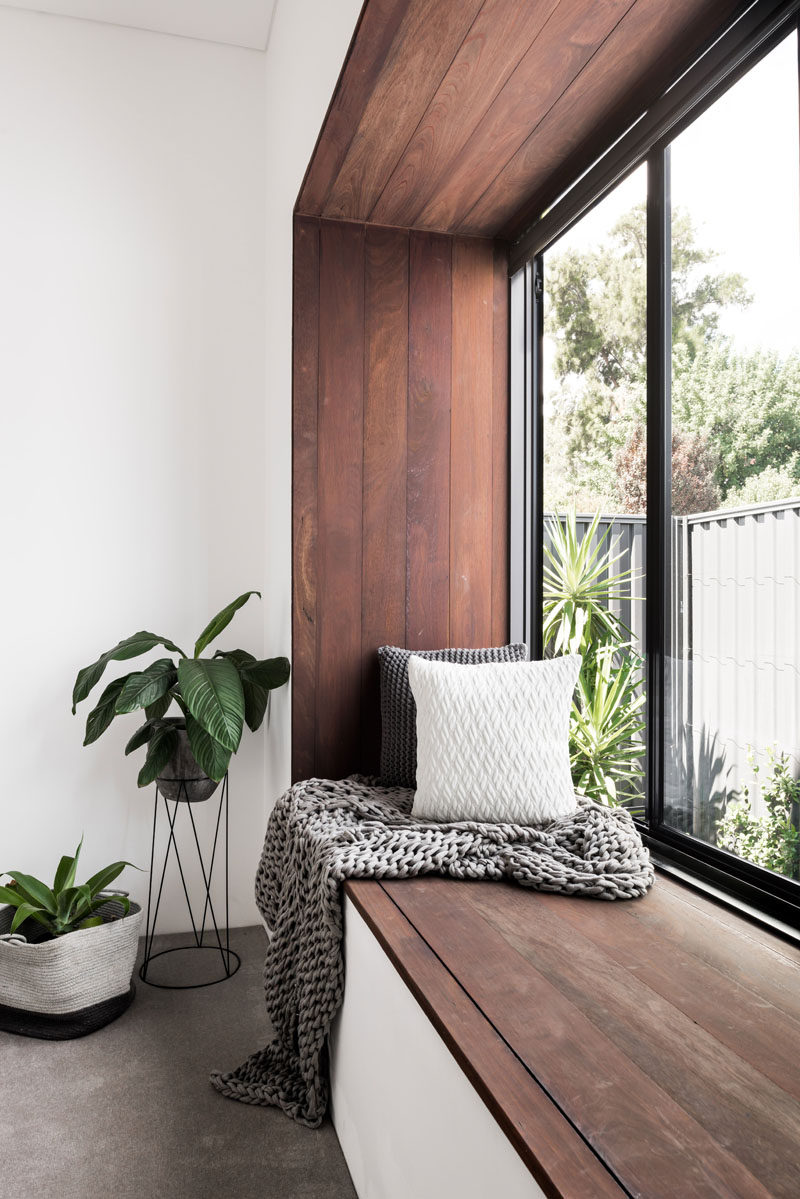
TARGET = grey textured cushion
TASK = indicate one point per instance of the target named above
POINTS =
(399, 712)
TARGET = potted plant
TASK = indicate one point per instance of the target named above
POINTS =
(67, 952)
(188, 755)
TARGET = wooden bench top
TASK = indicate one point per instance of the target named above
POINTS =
(647, 1048)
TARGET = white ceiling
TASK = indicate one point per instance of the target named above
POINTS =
(233, 22)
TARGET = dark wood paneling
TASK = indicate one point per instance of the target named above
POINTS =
(471, 457)
(426, 42)
(562, 1164)
(498, 39)
(391, 319)
(637, 59)
(678, 1072)
(385, 469)
(470, 117)
(429, 389)
(339, 497)
(305, 328)
(558, 55)
(373, 39)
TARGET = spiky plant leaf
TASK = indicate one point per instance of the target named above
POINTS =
(65, 874)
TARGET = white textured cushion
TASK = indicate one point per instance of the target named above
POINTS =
(493, 740)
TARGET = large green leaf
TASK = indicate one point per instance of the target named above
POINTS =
(101, 880)
(212, 691)
(65, 874)
(269, 674)
(34, 891)
(220, 622)
(131, 647)
(141, 736)
(210, 756)
(161, 747)
(159, 707)
(10, 896)
(22, 913)
(100, 717)
(256, 698)
(146, 686)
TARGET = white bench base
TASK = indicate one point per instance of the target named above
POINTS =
(409, 1121)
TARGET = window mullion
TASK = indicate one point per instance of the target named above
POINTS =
(659, 469)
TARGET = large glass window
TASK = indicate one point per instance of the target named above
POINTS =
(595, 484)
(734, 668)
(657, 393)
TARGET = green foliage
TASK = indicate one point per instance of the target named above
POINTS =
(771, 840)
(606, 725)
(578, 587)
(770, 484)
(747, 405)
(64, 907)
(738, 414)
(606, 718)
(217, 697)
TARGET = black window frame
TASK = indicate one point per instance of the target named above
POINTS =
(740, 47)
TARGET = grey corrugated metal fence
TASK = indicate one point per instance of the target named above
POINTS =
(734, 672)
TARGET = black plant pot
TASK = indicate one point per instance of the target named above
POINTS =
(182, 779)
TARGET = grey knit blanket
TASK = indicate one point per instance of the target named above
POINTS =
(322, 832)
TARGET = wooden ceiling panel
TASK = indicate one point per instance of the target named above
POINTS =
(631, 67)
(566, 44)
(472, 116)
(426, 43)
(499, 38)
(377, 29)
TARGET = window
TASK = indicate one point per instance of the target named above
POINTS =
(656, 463)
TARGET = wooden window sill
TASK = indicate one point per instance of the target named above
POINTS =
(647, 1048)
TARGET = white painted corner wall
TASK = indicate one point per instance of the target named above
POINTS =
(146, 190)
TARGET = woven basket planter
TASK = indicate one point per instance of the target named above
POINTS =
(72, 985)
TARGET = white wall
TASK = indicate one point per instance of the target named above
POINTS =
(132, 296)
(146, 190)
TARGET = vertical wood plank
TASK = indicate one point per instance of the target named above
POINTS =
(340, 459)
(305, 344)
(384, 519)
(471, 444)
(500, 449)
(428, 487)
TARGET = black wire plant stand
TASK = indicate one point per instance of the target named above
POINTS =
(218, 941)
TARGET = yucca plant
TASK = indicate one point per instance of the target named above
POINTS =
(63, 907)
(606, 718)
(579, 584)
(217, 696)
(606, 726)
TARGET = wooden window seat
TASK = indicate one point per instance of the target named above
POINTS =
(647, 1048)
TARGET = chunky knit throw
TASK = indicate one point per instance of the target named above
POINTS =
(322, 832)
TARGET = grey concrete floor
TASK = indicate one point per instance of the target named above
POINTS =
(129, 1111)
